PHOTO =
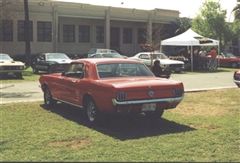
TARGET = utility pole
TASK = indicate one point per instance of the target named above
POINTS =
(27, 34)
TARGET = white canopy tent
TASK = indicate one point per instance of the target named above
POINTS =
(190, 38)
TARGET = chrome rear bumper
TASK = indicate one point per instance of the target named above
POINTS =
(167, 100)
(236, 81)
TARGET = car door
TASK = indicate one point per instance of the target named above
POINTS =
(71, 83)
(41, 63)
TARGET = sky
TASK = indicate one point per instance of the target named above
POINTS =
(187, 8)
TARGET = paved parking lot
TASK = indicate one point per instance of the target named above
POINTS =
(30, 91)
(205, 81)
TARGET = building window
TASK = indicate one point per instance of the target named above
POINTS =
(44, 31)
(21, 30)
(84, 33)
(142, 36)
(127, 35)
(68, 33)
(99, 34)
(6, 30)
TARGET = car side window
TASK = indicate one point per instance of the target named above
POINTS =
(144, 56)
(75, 70)
(41, 58)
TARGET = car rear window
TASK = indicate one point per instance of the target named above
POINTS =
(122, 70)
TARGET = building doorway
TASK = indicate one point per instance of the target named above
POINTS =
(115, 38)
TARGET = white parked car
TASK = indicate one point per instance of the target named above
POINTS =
(107, 55)
(9, 66)
(165, 62)
(99, 51)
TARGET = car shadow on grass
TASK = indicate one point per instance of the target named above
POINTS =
(122, 127)
(9, 95)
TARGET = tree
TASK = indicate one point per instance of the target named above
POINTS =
(235, 26)
(26, 33)
(211, 22)
(236, 11)
(183, 24)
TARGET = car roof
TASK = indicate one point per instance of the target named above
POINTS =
(150, 52)
(105, 60)
(4, 54)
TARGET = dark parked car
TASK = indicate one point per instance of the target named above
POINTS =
(228, 60)
(236, 78)
(50, 62)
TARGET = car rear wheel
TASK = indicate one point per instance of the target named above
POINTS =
(93, 114)
(155, 114)
(48, 100)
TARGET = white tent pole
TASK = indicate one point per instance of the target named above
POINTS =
(192, 58)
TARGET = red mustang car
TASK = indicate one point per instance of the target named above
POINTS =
(111, 86)
(228, 60)
(236, 78)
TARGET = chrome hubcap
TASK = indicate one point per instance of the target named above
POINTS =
(91, 111)
(47, 97)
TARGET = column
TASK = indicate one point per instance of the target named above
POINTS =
(55, 28)
(107, 28)
(149, 29)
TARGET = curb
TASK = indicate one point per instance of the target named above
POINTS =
(186, 91)
(208, 89)
(19, 101)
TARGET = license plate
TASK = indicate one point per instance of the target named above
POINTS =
(149, 107)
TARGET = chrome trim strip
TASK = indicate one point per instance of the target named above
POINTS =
(237, 81)
(175, 99)
(79, 106)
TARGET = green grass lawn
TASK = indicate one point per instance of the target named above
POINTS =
(204, 127)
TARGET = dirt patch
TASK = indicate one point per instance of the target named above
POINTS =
(205, 126)
(200, 110)
(73, 143)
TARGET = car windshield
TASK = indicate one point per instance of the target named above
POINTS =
(111, 55)
(51, 56)
(5, 57)
(92, 51)
(229, 55)
(122, 70)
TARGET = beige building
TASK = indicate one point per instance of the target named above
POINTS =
(74, 28)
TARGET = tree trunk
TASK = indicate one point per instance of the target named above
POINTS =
(27, 34)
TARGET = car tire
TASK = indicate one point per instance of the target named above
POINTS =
(48, 100)
(155, 114)
(93, 114)
(35, 71)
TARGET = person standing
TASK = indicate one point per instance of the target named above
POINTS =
(156, 69)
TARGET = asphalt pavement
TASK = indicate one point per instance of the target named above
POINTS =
(30, 91)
